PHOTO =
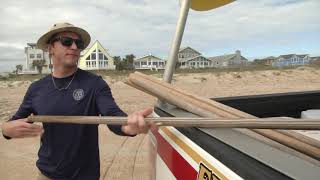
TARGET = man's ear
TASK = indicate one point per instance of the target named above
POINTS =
(49, 49)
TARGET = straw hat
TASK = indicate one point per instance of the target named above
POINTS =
(63, 27)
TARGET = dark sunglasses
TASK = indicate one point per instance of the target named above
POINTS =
(68, 41)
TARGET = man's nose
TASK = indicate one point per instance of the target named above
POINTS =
(73, 46)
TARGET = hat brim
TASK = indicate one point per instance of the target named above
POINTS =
(205, 5)
(44, 39)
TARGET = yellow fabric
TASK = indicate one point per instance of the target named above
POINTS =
(204, 5)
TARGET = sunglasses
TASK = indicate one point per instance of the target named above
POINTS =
(68, 41)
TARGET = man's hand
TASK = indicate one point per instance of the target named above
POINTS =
(21, 129)
(136, 123)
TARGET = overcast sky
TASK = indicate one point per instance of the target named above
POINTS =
(258, 28)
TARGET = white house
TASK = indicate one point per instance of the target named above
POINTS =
(32, 53)
(149, 62)
(96, 57)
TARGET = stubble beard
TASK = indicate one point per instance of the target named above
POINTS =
(70, 64)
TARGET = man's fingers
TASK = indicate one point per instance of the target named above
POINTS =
(152, 125)
(141, 122)
(31, 126)
(25, 135)
(25, 120)
(146, 112)
(28, 130)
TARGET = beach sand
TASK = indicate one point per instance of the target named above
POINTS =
(127, 158)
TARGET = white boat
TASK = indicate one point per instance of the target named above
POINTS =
(197, 153)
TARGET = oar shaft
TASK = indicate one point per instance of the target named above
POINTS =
(252, 123)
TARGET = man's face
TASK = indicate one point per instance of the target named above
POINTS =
(62, 55)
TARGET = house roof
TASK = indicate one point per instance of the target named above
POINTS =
(269, 58)
(184, 48)
(32, 44)
(148, 55)
(288, 56)
(222, 58)
(302, 55)
(83, 52)
(191, 58)
(86, 52)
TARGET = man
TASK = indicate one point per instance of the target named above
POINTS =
(69, 151)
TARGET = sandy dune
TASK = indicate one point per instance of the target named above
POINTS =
(127, 158)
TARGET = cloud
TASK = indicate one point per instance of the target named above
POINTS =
(147, 26)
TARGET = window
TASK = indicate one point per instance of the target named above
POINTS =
(100, 56)
(93, 56)
(88, 63)
(143, 63)
(39, 56)
(154, 63)
(93, 64)
(88, 58)
(31, 56)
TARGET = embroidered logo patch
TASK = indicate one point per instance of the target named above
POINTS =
(78, 94)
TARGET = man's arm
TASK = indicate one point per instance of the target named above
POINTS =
(17, 126)
(107, 106)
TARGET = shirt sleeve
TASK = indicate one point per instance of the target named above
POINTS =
(107, 106)
(25, 108)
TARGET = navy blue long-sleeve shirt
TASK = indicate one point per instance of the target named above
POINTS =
(70, 151)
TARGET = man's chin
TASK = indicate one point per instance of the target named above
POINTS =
(70, 64)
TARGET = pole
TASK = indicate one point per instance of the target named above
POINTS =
(175, 46)
(251, 123)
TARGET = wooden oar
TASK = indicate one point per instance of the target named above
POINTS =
(252, 123)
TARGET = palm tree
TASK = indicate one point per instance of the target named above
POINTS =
(19, 68)
(39, 64)
(129, 61)
(117, 62)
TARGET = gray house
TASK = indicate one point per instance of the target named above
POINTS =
(190, 58)
(229, 60)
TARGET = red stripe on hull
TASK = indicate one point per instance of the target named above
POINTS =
(179, 167)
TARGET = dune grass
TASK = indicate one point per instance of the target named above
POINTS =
(124, 73)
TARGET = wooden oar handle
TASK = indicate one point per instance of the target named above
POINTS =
(252, 123)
